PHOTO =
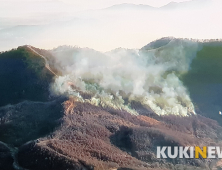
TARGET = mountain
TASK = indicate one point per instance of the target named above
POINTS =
(193, 4)
(23, 76)
(89, 124)
(127, 6)
(203, 78)
(187, 5)
(158, 43)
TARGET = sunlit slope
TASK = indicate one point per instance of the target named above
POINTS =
(23, 76)
(204, 80)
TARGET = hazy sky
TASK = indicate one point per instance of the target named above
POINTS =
(105, 3)
(47, 24)
(95, 4)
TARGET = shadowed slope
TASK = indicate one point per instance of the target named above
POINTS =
(204, 80)
(23, 76)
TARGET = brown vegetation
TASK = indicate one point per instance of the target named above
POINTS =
(103, 139)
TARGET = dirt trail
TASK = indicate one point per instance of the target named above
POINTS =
(46, 61)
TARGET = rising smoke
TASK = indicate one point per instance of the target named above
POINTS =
(116, 78)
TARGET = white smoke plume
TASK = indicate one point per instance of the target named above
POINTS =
(116, 78)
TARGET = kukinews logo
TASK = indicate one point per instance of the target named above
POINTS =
(189, 152)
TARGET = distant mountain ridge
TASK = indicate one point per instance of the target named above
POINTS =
(130, 6)
(193, 4)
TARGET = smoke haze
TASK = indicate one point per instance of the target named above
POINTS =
(116, 78)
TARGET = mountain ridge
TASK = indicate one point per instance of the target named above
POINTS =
(170, 6)
(64, 132)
